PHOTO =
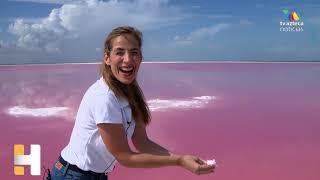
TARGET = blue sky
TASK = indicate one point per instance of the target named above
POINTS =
(62, 31)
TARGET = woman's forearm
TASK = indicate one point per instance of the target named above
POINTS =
(146, 160)
(150, 155)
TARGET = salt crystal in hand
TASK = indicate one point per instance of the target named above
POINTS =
(211, 162)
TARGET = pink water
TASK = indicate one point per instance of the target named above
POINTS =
(263, 124)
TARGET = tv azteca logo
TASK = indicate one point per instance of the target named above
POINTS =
(293, 24)
(33, 159)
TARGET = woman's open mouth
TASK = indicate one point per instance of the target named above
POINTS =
(126, 70)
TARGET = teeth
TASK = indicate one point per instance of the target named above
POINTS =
(126, 69)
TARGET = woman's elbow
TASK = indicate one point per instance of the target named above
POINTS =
(125, 159)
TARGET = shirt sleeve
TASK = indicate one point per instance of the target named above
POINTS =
(107, 110)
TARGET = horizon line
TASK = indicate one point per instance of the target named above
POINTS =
(163, 62)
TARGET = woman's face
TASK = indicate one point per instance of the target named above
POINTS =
(125, 58)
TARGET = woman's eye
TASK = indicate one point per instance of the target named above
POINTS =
(134, 53)
(119, 53)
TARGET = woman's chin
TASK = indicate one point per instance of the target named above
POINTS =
(126, 81)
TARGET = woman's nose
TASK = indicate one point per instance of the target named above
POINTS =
(127, 57)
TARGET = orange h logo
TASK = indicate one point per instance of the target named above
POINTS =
(33, 159)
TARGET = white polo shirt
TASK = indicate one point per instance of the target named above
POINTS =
(86, 148)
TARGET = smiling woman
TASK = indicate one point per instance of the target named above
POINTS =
(113, 110)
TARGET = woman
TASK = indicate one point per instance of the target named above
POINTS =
(112, 110)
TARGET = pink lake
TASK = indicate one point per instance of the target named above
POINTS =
(260, 121)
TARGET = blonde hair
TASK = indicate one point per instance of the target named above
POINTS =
(132, 92)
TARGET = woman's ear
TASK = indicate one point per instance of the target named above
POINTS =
(106, 59)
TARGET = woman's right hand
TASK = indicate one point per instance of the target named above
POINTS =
(195, 165)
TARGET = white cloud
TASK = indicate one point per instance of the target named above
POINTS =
(202, 33)
(26, 20)
(190, 103)
(46, 35)
(50, 1)
(19, 111)
(208, 31)
(182, 41)
(81, 26)
(220, 16)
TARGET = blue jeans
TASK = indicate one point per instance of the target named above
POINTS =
(63, 173)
